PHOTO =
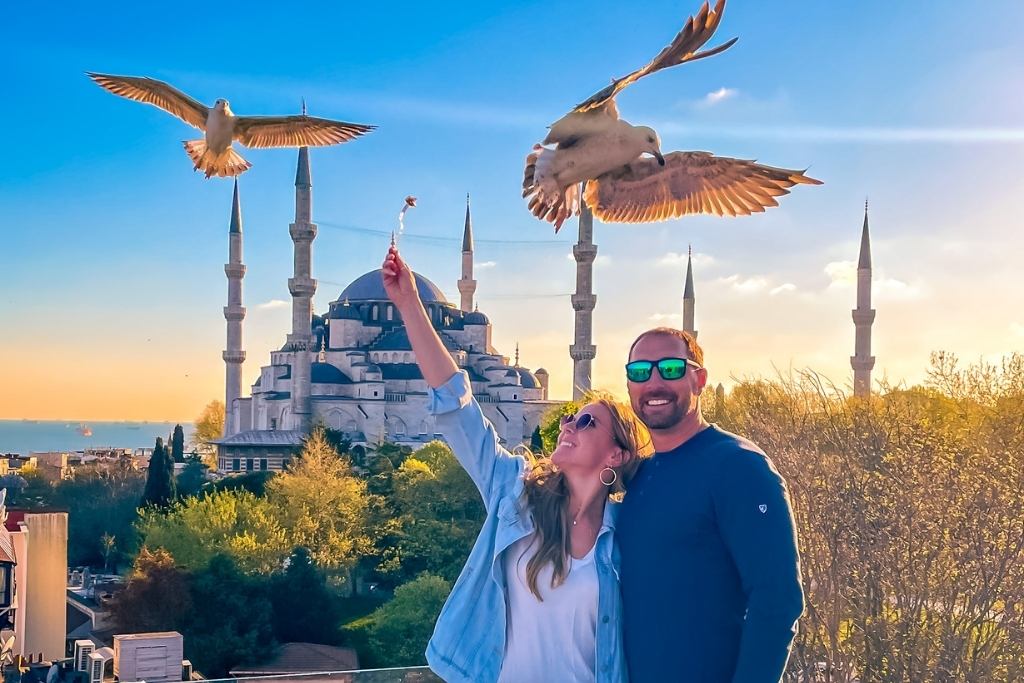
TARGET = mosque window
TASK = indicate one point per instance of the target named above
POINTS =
(273, 423)
(263, 464)
(391, 312)
(248, 465)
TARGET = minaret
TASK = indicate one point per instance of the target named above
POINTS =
(862, 360)
(688, 298)
(302, 287)
(467, 285)
(583, 351)
(234, 313)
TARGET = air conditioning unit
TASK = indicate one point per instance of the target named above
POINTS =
(96, 668)
(83, 648)
(186, 670)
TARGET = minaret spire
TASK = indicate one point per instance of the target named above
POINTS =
(302, 287)
(234, 313)
(582, 350)
(466, 284)
(689, 300)
(863, 316)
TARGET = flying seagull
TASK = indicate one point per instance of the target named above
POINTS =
(214, 155)
(592, 145)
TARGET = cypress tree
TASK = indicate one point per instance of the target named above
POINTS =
(159, 489)
(178, 444)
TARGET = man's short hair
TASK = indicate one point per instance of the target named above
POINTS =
(694, 350)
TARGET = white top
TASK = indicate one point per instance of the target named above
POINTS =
(553, 640)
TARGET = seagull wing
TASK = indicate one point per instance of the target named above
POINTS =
(295, 131)
(689, 183)
(574, 126)
(697, 31)
(157, 93)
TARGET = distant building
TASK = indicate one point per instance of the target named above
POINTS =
(353, 368)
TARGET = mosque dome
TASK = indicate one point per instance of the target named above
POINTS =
(527, 379)
(370, 287)
(475, 318)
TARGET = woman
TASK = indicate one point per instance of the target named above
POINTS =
(538, 599)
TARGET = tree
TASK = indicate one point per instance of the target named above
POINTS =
(551, 423)
(237, 524)
(101, 500)
(155, 598)
(209, 426)
(536, 441)
(398, 631)
(192, 477)
(108, 543)
(231, 618)
(160, 489)
(178, 444)
(437, 514)
(299, 588)
(324, 507)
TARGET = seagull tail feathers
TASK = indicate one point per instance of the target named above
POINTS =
(225, 165)
(546, 200)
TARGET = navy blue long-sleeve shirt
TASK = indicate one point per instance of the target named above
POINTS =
(710, 574)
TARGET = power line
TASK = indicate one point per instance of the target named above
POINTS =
(437, 239)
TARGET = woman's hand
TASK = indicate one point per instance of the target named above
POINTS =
(398, 280)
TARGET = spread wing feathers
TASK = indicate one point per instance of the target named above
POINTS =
(689, 183)
(295, 131)
(697, 31)
(157, 93)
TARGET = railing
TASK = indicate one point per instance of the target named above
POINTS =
(412, 674)
(394, 398)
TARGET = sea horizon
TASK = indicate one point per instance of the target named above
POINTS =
(26, 435)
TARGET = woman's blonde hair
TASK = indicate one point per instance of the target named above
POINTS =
(548, 495)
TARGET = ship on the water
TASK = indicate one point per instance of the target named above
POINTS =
(84, 430)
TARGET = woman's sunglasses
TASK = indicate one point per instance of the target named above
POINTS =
(579, 422)
(668, 368)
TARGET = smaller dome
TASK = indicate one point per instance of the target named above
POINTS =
(511, 373)
(325, 373)
(343, 312)
(475, 318)
(541, 371)
(527, 379)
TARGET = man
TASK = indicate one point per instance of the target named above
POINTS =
(710, 574)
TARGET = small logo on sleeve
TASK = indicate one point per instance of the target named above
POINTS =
(763, 508)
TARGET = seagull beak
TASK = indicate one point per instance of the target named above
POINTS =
(661, 159)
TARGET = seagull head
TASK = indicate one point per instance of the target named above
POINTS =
(222, 105)
(650, 142)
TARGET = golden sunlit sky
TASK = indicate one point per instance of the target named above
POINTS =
(112, 250)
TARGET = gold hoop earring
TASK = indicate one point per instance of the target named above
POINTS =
(615, 476)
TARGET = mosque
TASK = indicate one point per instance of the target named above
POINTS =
(352, 368)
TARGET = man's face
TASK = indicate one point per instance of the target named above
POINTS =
(664, 404)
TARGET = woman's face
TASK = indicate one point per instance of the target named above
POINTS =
(586, 450)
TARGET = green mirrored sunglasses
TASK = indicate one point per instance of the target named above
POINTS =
(668, 368)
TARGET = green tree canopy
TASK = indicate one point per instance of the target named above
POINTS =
(306, 609)
(324, 507)
(156, 596)
(398, 631)
(231, 621)
(238, 524)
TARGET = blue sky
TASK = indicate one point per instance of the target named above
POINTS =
(111, 249)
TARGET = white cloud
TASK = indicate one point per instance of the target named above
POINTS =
(717, 96)
(841, 274)
(485, 264)
(272, 304)
(678, 259)
(744, 285)
(785, 287)
(666, 317)
(1017, 329)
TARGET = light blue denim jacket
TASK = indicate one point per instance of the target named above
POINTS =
(468, 644)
